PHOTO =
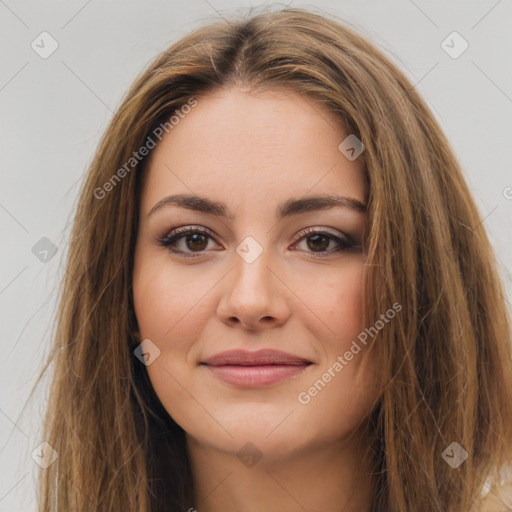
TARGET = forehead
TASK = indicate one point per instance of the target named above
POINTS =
(238, 146)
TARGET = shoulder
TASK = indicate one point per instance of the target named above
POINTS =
(499, 498)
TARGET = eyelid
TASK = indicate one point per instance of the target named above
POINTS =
(315, 230)
(180, 231)
(312, 229)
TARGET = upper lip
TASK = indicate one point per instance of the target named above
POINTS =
(258, 358)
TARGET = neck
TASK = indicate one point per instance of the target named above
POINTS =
(329, 478)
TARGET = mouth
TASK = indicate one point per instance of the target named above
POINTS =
(255, 369)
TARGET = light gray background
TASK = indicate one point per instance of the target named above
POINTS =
(54, 110)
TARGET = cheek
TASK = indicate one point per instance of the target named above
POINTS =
(170, 306)
(346, 301)
(334, 303)
(169, 302)
(340, 398)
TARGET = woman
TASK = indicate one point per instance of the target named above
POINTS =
(279, 293)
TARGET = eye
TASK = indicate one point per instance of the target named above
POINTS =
(318, 240)
(195, 241)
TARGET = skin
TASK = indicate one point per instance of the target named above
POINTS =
(252, 152)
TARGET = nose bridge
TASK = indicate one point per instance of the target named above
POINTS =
(252, 270)
(252, 293)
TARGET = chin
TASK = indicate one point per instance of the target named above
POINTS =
(273, 431)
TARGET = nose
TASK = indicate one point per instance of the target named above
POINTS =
(254, 297)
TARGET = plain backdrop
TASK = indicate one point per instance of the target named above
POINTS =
(54, 110)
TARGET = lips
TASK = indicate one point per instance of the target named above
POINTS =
(255, 369)
(259, 358)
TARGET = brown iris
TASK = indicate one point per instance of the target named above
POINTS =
(320, 242)
(196, 241)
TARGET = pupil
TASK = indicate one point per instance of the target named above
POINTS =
(196, 239)
(318, 237)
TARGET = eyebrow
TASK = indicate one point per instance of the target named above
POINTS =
(286, 209)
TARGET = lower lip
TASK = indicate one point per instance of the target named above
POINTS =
(256, 376)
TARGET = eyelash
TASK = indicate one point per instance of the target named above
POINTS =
(176, 234)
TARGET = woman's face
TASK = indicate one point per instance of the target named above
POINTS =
(268, 269)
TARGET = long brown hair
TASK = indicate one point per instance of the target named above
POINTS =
(445, 363)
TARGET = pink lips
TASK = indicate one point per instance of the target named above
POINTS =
(255, 369)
